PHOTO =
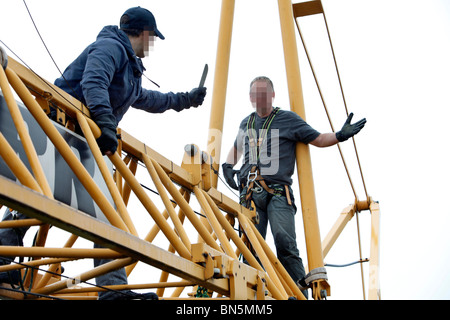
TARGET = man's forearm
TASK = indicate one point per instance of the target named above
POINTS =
(325, 140)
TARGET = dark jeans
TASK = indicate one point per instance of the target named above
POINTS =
(274, 209)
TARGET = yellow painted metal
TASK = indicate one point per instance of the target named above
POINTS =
(304, 167)
(242, 277)
(184, 205)
(35, 205)
(278, 290)
(85, 276)
(169, 207)
(199, 264)
(164, 274)
(126, 190)
(16, 165)
(112, 187)
(65, 151)
(374, 264)
(249, 257)
(345, 216)
(283, 274)
(54, 268)
(24, 135)
(35, 263)
(20, 223)
(58, 252)
(130, 287)
(149, 205)
(220, 85)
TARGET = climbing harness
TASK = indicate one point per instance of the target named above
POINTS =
(254, 142)
(255, 182)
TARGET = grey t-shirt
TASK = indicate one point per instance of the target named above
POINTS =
(277, 152)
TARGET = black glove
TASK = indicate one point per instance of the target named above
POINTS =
(349, 130)
(196, 96)
(229, 173)
(108, 139)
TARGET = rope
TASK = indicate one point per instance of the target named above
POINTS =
(343, 98)
(329, 119)
(326, 109)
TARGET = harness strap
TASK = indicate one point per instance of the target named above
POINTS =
(255, 143)
(288, 195)
(258, 179)
(254, 148)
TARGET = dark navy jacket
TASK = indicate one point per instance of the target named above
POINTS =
(106, 77)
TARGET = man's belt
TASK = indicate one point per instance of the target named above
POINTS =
(255, 183)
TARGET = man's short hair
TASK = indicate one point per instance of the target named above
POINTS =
(262, 78)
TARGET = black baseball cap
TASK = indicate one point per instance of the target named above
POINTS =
(138, 18)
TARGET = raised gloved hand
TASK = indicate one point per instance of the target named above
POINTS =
(349, 130)
(108, 139)
(229, 173)
(196, 96)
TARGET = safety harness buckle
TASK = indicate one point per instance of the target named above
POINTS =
(251, 177)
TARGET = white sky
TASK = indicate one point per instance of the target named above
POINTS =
(393, 60)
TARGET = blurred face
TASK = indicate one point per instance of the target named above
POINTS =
(146, 43)
(261, 94)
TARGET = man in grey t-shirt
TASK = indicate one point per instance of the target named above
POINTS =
(266, 140)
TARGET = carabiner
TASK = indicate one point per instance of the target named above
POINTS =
(254, 175)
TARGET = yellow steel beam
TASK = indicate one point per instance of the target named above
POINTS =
(112, 187)
(34, 263)
(167, 203)
(193, 176)
(65, 150)
(62, 216)
(233, 235)
(304, 167)
(374, 264)
(129, 286)
(57, 266)
(25, 138)
(243, 279)
(283, 274)
(19, 223)
(65, 101)
(85, 276)
(345, 216)
(274, 283)
(220, 85)
(184, 205)
(59, 252)
(130, 144)
(16, 165)
(149, 205)
(213, 221)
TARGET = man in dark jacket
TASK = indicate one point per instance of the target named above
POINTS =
(106, 76)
